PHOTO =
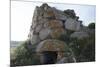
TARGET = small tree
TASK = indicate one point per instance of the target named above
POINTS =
(91, 26)
(25, 55)
(70, 13)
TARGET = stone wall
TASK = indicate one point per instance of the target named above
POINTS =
(48, 24)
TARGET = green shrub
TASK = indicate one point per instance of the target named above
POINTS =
(70, 13)
(84, 49)
(91, 26)
(25, 55)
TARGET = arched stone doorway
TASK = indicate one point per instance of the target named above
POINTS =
(49, 57)
(51, 50)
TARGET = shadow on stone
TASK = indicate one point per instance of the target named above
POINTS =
(49, 57)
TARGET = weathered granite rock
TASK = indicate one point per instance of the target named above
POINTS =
(72, 24)
(60, 47)
(44, 33)
(34, 39)
(49, 14)
(59, 15)
(38, 28)
(66, 60)
(50, 36)
(70, 13)
(48, 25)
(57, 32)
(55, 24)
(79, 35)
(51, 45)
(50, 22)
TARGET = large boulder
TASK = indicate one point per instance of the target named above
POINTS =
(51, 45)
(38, 28)
(72, 24)
(67, 60)
(59, 15)
(54, 24)
(49, 22)
(79, 35)
(44, 33)
(64, 53)
(34, 39)
(57, 32)
(49, 14)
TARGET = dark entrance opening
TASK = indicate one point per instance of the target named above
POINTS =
(49, 57)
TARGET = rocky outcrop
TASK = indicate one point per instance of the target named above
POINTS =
(60, 47)
(72, 24)
(51, 45)
(48, 25)
(55, 37)
(49, 22)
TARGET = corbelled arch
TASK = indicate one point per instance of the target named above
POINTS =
(53, 47)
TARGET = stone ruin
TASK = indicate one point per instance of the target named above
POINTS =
(48, 24)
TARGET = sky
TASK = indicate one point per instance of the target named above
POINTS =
(22, 13)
